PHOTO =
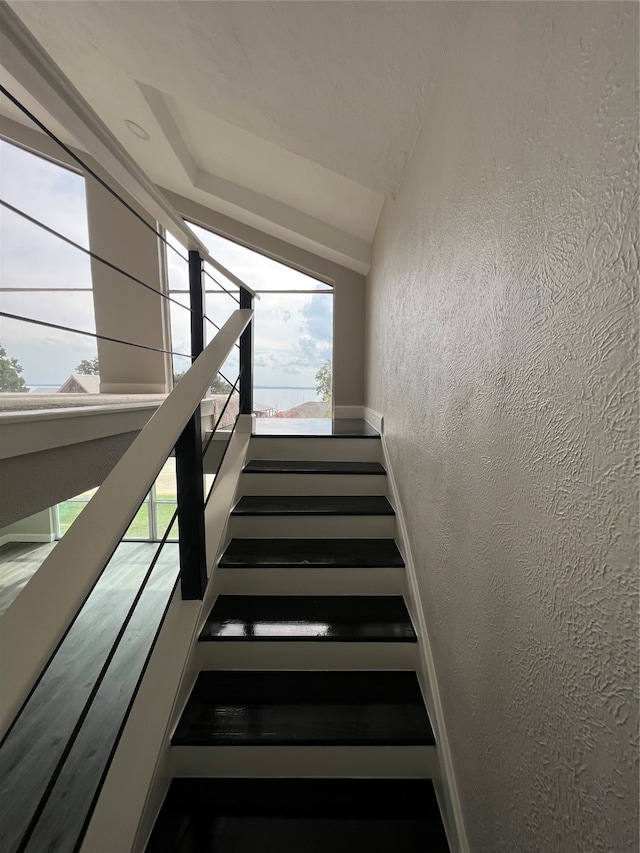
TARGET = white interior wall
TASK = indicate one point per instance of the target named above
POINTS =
(501, 338)
(36, 528)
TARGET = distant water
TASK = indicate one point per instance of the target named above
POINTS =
(284, 398)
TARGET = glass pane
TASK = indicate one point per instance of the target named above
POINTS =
(68, 511)
(139, 527)
(48, 192)
(293, 348)
(164, 514)
(166, 487)
(32, 258)
(258, 271)
(218, 308)
(177, 266)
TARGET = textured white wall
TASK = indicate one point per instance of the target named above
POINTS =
(501, 331)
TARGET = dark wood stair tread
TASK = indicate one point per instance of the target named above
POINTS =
(306, 708)
(298, 466)
(328, 618)
(293, 815)
(313, 505)
(311, 553)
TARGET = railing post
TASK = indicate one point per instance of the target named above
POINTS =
(246, 358)
(189, 469)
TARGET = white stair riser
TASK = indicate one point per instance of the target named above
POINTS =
(313, 526)
(316, 448)
(301, 655)
(313, 484)
(404, 762)
(305, 581)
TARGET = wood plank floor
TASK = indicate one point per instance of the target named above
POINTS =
(19, 561)
(38, 740)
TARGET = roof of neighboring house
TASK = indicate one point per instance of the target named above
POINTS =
(80, 383)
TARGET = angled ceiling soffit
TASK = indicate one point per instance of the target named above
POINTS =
(339, 242)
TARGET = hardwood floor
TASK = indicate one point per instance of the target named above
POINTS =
(51, 760)
(19, 561)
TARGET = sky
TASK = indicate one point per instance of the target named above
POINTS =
(293, 331)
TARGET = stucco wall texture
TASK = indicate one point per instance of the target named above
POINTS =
(501, 337)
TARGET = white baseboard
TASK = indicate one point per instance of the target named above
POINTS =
(374, 419)
(348, 412)
(27, 537)
(446, 787)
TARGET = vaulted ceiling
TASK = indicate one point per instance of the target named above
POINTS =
(295, 117)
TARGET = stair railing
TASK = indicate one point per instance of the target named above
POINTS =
(37, 620)
(75, 723)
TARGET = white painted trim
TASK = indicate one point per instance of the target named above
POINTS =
(317, 231)
(43, 429)
(446, 789)
(374, 419)
(26, 537)
(54, 594)
(348, 412)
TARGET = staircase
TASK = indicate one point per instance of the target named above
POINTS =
(306, 729)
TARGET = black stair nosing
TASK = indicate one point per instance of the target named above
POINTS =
(291, 553)
(301, 466)
(337, 618)
(305, 708)
(313, 505)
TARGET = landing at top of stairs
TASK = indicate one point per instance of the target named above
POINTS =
(305, 427)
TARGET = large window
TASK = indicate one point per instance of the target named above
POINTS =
(41, 276)
(293, 333)
(150, 522)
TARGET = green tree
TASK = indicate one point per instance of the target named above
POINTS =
(220, 385)
(89, 367)
(323, 381)
(10, 370)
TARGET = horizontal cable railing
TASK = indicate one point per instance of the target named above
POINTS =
(53, 595)
(175, 225)
(176, 424)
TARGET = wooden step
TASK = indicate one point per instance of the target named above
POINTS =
(295, 618)
(294, 815)
(311, 553)
(294, 505)
(297, 466)
(258, 708)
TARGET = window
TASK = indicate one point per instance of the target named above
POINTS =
(293, 333)
(150, 522)
(41, 276)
